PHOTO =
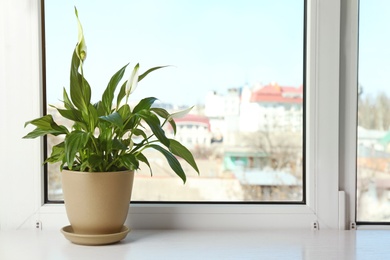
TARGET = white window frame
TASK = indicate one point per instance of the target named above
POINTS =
(348, 106)
(21, 191)
(349, 42)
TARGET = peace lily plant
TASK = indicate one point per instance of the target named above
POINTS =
(102, 137)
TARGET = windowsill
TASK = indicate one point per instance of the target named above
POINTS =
(185, 244)
(196, 217)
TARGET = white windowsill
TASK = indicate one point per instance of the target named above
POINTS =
(195, 217)
(180, 244)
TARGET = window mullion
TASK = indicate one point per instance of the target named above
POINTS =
(348, 104)
(323, 116)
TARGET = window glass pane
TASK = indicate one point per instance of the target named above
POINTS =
(239, 62)
(373, 144)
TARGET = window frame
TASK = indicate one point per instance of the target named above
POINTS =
(322, 144)
(349, 28)
(349, 63)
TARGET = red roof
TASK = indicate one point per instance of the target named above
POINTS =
(298, 90)
(274, 93)
(193, 119)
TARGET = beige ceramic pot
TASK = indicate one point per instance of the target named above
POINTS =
(97, 202)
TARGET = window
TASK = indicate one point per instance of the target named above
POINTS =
(373, 131)
(22, 42)
(234, 60)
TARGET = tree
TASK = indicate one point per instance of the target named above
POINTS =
(373, 111)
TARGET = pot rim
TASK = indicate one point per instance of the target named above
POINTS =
(83, 173)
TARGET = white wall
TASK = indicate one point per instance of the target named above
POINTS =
(19, 102)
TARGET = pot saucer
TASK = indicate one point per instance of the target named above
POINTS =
(93, 240)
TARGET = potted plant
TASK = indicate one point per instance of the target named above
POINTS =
(99, 153)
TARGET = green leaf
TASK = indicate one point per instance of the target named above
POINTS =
(80, 91)
(139, 132)
(105, 137)
(128, 143)
(108, 94)
(180, 150)
(84, 165)
(129, 161)
(35, 133)
(75, 83)
(74, 143)
(172, 161)
(164, 114)
(94, 161)
(45, 125)
(118, 145)
(114, 118)
(57, 153)
(154, 124)
(160, 112)
(125, 112)
(148, 71)
(145, 103)
(173, 124)
(45, 122)
(121, 94)
(143, 159)
(131, 123)
(71, 114)
(67, 103)
(92, 117)
(100, 109)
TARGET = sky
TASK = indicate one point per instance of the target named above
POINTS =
(374, 46)
(211, 45)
